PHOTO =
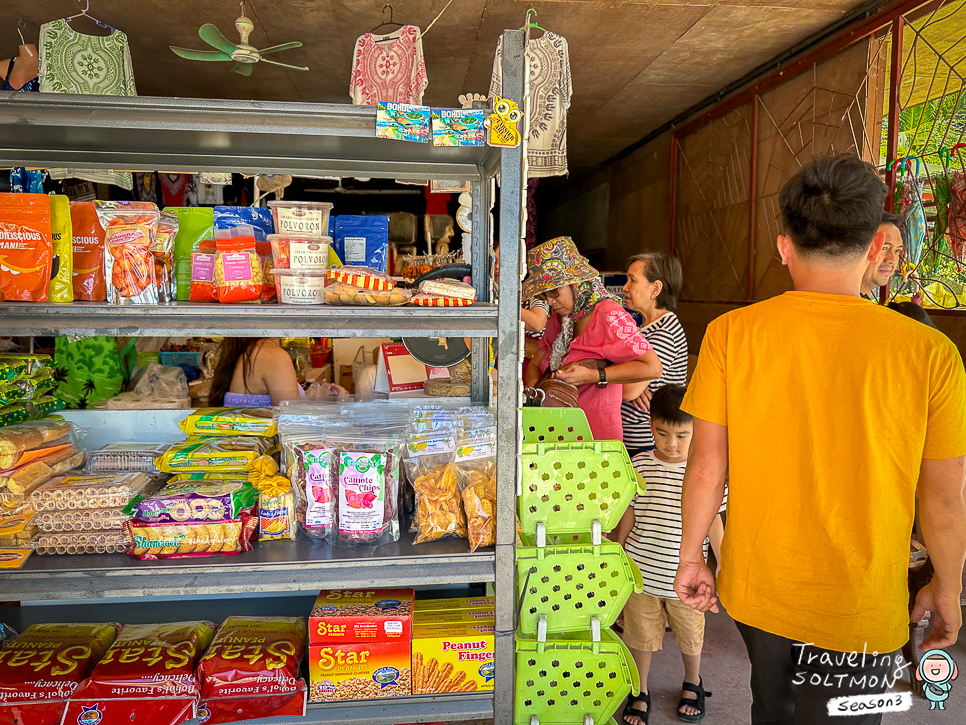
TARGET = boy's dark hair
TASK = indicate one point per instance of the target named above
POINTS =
(666, 405)
(667, 269)
(833, 206)
(889, 218)
(911, 309)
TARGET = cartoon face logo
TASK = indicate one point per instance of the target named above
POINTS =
(936, 672)
(90, 715)
(503, 123)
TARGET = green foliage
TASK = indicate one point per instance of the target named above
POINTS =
(923, 129)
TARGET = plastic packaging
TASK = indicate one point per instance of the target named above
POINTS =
(89, 491)
(24, 364)
(163, 252)
(202, 272)
(238, 271)
(17, 530)
(197, 501)
(297, 251)
(439, 507)
(62, 242)
(88, 247)
(126, 457)
(363, 241)
(310, 218)
(129, 231)
(185, 539)
(52, 522)
(194, 225)
(264, 251)
(25, 232)
(235, 453)
(230, 422)
(258, 218)
(79, 542)
(344, 294)
(361, 277)
(300, 286)
(16, 485)
(475, 467)
(422, 300)
(448, 288)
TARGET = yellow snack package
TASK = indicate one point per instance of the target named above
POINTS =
(219, 455)
(230, 422)
(62, 237)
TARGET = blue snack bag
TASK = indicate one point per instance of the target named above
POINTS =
(362, 241)
(228, 217)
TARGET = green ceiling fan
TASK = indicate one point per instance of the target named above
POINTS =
(244, 55)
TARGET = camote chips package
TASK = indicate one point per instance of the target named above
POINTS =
(251, 670)
(147, 677)
(26, 248)
(42, 667)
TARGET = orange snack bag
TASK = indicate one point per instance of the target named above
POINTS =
(238, 270)
(129, 231)
(88, 275)
(264, 250)
(203, 272)
(26, 247)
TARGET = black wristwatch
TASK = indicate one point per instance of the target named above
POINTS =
(602, 378)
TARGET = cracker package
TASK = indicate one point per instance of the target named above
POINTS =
(62, 264)
(26, 248)
(276, 501)
(42, 667)
(223, 454)
(363, 277)
(251, 670)
(439, 511)
(475, 467)
(147, 676)
(189, 539)
(88, 247)
(129, 232)
(230, 422)
(197, 501)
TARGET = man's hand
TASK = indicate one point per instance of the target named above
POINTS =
(577, 374)
(694, 585)
(947, 615)
(643, 403)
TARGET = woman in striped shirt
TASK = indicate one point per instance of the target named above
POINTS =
(653, 284)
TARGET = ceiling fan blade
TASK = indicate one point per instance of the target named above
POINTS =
(242, 69)
(283, 46)
(213, 37)
(200, 54)
(284, 65)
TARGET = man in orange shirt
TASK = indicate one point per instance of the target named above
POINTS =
(828, 413)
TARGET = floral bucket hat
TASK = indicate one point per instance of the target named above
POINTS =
(555, 264)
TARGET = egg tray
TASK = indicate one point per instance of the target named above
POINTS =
(78, 492)
(80, 520)
(80, 542)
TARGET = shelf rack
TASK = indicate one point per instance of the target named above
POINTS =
(308, 140)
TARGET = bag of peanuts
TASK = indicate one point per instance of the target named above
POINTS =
(129, 231)
(147, 677)
(251, 670)
(238, 270)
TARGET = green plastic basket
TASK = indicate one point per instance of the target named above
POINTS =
(568, 486)
(568, 678)
(555, 425)
(571, 584)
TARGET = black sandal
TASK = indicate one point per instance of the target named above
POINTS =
(631, 711)
(697, 704)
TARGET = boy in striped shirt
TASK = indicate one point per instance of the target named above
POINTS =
(650, 532)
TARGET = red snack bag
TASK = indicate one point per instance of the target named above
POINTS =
(88, 252)
(203, 273)
(238, 270)
(42, 667)
(26, 247)
(264, 250)
(251, 670)
(129, 231)
(147, 676)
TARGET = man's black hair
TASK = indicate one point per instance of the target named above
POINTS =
(889, 218)
(833, 206)
(666, 405)
(911, 309)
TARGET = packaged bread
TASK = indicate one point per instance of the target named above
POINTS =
(344, 294)
(189, 538)
(21, 482)
(89, 491)
(228, 453)
(15, 440)
(230, 422)
(448, 288)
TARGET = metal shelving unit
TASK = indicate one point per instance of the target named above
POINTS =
(309, 140)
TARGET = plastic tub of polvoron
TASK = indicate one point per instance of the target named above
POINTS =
(310, 218)
(300, 286)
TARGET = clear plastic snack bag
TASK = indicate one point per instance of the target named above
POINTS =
(129, 233)
(475, 466)
(439, 509)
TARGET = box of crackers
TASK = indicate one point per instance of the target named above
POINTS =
(452, 657)
(359, 670)
(362, 615)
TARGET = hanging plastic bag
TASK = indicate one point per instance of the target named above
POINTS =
(475, 466)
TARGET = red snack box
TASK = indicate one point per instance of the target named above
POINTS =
(42, 667)
(147, 677)
(359, 670)
(362, 615)
(251, 670)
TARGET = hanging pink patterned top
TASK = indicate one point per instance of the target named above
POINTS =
(389, 70)
(611, 335)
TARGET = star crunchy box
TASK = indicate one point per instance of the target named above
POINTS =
(42, 667)
(452, 657)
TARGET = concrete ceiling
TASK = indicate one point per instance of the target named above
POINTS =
(635, 63)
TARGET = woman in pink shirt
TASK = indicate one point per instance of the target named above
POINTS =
(586, 325)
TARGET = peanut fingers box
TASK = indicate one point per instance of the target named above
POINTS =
(362, 615)
(359, 670)
(42, 667)
(452, 657)
(433, 605)
(446, 616)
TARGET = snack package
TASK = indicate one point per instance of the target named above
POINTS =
(363, 241)
(251, 670)
(439, 510)
(202, 273)
(259, 218)
(264, 251)
(89, 491)
(45, 405)
(21, 482)
(450, 288)
(28, 364)
(197, 501)
(368, 486)
(313, 475)
(129, 231)
(475, 466)
(147, 676)
(453, 657)
(363, 277)
(227, 453)
(26, 248)
(230, 422)
(17, 440)
(299, 286)
(338, 293)
(194, 225)
(11, 369)
(308, 218)
(14, 413)
(422, 300)
(106, 541)
(17, 530)
(238, 270)
(189, 539)
(276, 501)
(62, 243)
(126, 457)
(57, 522)
(298, 251)
(163, 252)
(43, 666)
(88, 246)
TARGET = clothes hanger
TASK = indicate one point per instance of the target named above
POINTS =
(527, 24)
(388, 22)
(84, 13)
(22, 24)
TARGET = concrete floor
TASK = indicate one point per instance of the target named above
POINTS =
(726, 670)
